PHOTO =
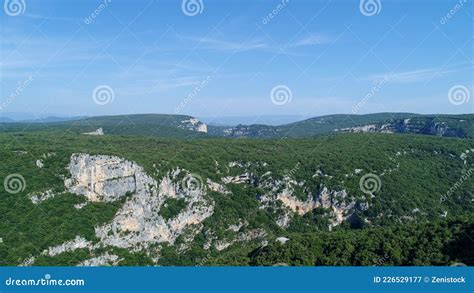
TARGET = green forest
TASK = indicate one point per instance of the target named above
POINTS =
(409, 221)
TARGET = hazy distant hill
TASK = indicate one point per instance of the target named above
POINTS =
(141, 124)
(440, 125)
(164, 125)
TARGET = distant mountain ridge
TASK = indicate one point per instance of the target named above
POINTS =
(440, 125)
(182, 126)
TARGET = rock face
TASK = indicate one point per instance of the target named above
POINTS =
(139, 226)
(105, 178)
(98, 131)
(138, 223)
(104, 260)
(40, 197)
(74, 244)
(332, 200)
(193, 124)
(419, 125)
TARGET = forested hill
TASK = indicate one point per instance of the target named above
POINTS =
(439, 125)
(182, 126)
(348, 199)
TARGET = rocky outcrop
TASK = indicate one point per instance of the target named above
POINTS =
(76, 243)
(241, 237)
(244, 178)
(39, 163)
(138, 223)
(40, 197)
(193, 124)
(332, 200)
(103, 260)
(105, 178)
(216, 187)
(98, 131)
(139, 226)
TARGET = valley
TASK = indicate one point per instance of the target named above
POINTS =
(338, 199)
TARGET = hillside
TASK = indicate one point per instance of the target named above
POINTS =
(439, 125)
(140, 124)
(345, 199)
(182, 126)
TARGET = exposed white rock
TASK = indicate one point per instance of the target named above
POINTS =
(76, 243)
(243, 178)
(193, 124)
(98, 131)
(39, 163)
(320, 173)
(202, 128)
(20, 152)
(38, 198)
(104, 260)
(80, 205)
(333, 200)
(282, 240)
(210, 237)
(237, 227)
(105, 178)
(216, 187)
(138, 223)
(28, 262)
(363, 128)
(241, 237)
(284, 220)
(236, 164)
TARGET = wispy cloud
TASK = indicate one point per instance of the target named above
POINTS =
(50, 17)
(224, 45)
(207, 43)
(412, 76)
(311, 40)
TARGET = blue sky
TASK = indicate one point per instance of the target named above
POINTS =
(226, 59)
